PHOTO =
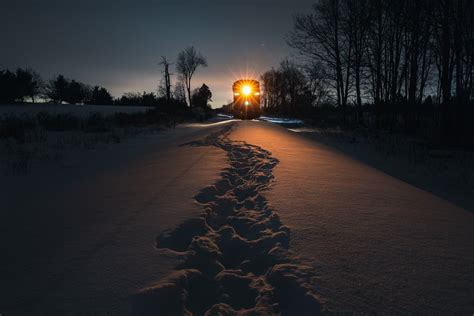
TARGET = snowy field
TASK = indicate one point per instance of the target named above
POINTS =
(281, 223)
(379, 245)
(84, 227)
(76, 110)
(447, 173)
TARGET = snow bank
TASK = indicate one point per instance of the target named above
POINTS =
(282, 121)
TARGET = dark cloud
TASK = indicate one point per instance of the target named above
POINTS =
(118, 43)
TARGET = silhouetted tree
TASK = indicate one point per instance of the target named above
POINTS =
(76, 92)
(56, 89)
(167, 78)
(142, 99)
(18, 85)
(29, 83)
(62, 89)
(357, 18)
(179, 92)
(9, 91)
(202, 96)
(289, 89)
(317, 87)
(272, 82)
(148, 99)
(294, 85)
(129, 98)
(100, 96)
(322, 37)
(392, 54)
(187, 63)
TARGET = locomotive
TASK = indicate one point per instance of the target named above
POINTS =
(246, 105)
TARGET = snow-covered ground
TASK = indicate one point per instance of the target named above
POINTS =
(276, 218)
(80, 235)
(447, 173)
(76, 110)
(379, 245)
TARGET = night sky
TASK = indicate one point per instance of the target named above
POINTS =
(118, 44)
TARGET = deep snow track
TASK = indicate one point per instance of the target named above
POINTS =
(236, 253)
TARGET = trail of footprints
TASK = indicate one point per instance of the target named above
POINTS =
(236, 253)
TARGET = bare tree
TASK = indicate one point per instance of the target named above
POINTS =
(316, 83)
(187, 63)
(357, 17)
(320, 37)
(292, 89)
(393, 53)
(272, 82)
(179, 92)
(167, 79)
(294, 82)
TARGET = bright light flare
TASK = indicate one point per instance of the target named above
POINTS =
(247, 90)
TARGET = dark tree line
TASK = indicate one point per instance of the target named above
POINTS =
(19, 85)
(293, 89)
(61, 90)
(27, 85)
(394, 56)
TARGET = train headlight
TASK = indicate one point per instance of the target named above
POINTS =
(247, 103)
(247, 90)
